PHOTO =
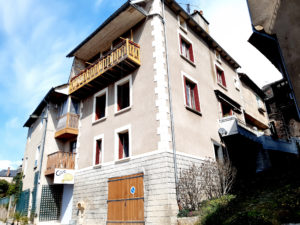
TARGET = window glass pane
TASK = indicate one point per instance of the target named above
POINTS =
(123, 96)
(123, 145)
(100, 107)
(74, 106)
(64, 108)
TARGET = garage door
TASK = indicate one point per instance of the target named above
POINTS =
(126, 200)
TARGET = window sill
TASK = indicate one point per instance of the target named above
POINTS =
(122, 160)
(219, 61)
(193, 110)
(123, 110)
(189, 61)
(99, 120)
(222, 86)
(184, 29)
(97, 166)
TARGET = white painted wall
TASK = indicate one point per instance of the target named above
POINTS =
(66, 208)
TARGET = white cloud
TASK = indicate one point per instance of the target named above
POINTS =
(98, 3)
(13, 123)
(4, 164)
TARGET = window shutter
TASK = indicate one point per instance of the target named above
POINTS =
(185, 90)
(120, 146)
(191, 53)
(180, 40)
(97, 113)
(98, 150)
(197, 102)
(223, 79)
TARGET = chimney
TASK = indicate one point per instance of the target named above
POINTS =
(8, 172)
(199, 18)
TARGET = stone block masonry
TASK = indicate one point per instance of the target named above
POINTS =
(160, 205)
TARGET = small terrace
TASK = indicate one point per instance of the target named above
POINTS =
(60, 160)
(120, 61)
(67, 126)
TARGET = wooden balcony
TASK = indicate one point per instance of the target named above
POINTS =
(67, 126)
(60, 160)
(120, 61)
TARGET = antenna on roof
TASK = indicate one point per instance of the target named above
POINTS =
(188, 9)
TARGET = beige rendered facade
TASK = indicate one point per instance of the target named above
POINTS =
(150, 105)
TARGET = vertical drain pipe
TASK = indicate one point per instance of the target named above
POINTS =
(170, 101)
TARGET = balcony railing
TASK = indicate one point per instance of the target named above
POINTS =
(127, 52)
(60, 160)
(67, 126)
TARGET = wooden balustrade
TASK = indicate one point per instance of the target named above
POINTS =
(126, 50)
(60, 160)
(67, 126)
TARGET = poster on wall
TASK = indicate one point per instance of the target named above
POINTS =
(63, 176)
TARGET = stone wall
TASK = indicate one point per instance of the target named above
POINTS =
(160, 205)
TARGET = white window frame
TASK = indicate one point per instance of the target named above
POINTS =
(218, 57)
(120, 131)
(183, 35)
(184, 27)
(237, 82)
(37, 156)
(99, 94)
(183, 74)
(120, 82)
(220, 68)
(96, 138)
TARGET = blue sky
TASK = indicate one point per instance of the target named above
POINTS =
(35, 37)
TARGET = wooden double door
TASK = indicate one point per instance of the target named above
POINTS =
(126, 200)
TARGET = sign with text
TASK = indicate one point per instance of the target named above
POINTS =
(63, 176)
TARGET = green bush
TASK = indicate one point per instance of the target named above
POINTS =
(183, 213)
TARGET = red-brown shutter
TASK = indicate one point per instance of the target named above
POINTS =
(180, 40)
(97, 109)
(223, 79)
(197, 102)
(184, 80)
(120, 147)
(191, 53)
(98, 150)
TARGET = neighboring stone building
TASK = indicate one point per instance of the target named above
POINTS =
(276, 34)
(281, 109)
(8, 174)
(145, 96)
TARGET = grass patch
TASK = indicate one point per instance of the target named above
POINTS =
(271, 198)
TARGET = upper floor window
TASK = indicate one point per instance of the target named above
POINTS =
(227, 109)
(123, 94)
(73, 145)
(182, 23)
(122, 143)
(98, 149)
(218, 56)
(100, 105)
(186, 49)
(191, 94)
(37, 154)
(220, 76)
(260, 104)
